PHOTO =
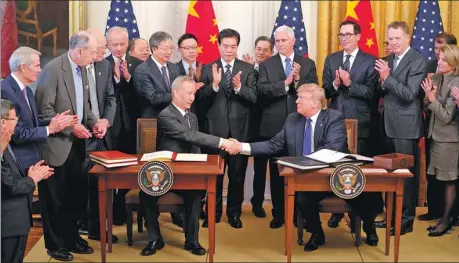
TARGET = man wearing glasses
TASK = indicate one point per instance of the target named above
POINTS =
(350, 80)
(153, 78)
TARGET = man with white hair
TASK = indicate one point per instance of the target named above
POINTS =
(61, 86)
(278, 92)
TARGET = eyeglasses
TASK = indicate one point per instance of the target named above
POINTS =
(346, 36)
(166, 49)
(386, 44)
(188, 49)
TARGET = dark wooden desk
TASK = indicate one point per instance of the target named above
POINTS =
(378, 180)
(188, 176)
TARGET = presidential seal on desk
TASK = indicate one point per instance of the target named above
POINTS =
(155, 178)
(347, 181)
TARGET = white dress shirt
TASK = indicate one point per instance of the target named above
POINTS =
(159, 65)
(246, 146)
(186, 66)
(216, 88)
(400, 58)
(351, 62)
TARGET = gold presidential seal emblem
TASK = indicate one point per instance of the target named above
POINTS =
(155, 178)
(347, 181)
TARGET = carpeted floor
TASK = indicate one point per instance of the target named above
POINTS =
(256, 242)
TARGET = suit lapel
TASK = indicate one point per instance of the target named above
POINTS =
(100, 78)
(12, 160)
(299, 135)
(33, 106)
(318, 128)
(357, 63)
(172, 73)
(67, 75)
(177, 113)
(222, 81)
(155, 70)
(181, 68)
(19, 94)
(280, 68)
(402, 63)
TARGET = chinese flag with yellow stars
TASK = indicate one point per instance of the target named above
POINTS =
(360, 12)
(202, 23)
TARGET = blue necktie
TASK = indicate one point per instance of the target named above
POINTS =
(288, 67)
(307, 141)
(79, 95)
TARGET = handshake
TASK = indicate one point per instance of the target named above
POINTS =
(232, 146)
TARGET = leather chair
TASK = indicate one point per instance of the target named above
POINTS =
(335, 204)
(29, 24)
(146, 143)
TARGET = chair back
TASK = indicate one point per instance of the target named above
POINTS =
(351, 131)
(146, 135)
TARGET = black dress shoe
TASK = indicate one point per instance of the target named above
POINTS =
(235, 221)
(81, 249)
(333, 222)
(435, 233)
(314, 242)
(427, 217)
(372, 239)
(177, 219)
(83, 231)
(61, 254)
(403, 231)
(380, 224)
(81, 240)
(195, 248)
(259, 211)
(97, 237)
(152, 246)
(205, 224)
(276, 223)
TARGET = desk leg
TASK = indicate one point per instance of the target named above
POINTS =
(109, 219)
(398, 223)
(102, 217)
(289, 223)
(211, 201)
(287, 219)
(389, 208)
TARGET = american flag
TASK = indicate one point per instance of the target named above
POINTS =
(121, 14)
(426, 26)
(291, 15)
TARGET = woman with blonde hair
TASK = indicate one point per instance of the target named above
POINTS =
(443, 133)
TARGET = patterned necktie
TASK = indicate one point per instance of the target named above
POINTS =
(307, 141)
(121, 63)
(93, 92)
(187, 118)
(166, 78)
(191, 72)
(228, 77)
(347, 63)
(396, 60)
(288, 67)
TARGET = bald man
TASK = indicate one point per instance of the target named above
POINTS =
(103, 106)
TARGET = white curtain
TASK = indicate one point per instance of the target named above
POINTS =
(250, 18)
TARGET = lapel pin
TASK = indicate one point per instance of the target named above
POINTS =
(100, 73)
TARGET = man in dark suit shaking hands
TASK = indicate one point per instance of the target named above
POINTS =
(349, 79)
(400, 78)
(278, 78)
(311, 129)
(228, 96)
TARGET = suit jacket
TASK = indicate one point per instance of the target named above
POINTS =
(175, 135)
(194, 107)
(29, 131)
(106, 98)
(356, 100)
(153, 93)
(329, 133)
(432, 66)
(277, 103)
(227, 112)
(55, 93)
(403, 97)
(17, 189)
(443, 118)
(182, 70)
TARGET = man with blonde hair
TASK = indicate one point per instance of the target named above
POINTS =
(310, 129)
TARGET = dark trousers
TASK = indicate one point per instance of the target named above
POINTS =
(192, 200)
(61, 199)
(410, 189)
(91, 209)
(362, 205)
(276, 184)
(13, 249)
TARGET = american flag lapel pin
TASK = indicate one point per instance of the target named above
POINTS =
(100, 73)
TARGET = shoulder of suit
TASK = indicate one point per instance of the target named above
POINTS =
(333, 114)
(293, 117)
(56, 62)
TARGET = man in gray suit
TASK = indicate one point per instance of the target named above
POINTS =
(402, 119)
(311, 129)
(153, 78)
(61, 86)
(350, 79)
(103, 106)
(178, 131)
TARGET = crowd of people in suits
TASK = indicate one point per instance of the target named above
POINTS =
(266, 105)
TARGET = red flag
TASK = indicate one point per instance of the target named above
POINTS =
(360, 12)
(202, 23)
(9, 34)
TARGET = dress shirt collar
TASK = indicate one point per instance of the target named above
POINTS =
(18, 81)
(353, 53)
(292, 56)
(314, 118)
(179, 109)
(116, 59)
(402, 55)
(159, 64)
(73, 65)
(256, 66)
(186, 66)
(224, 64)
